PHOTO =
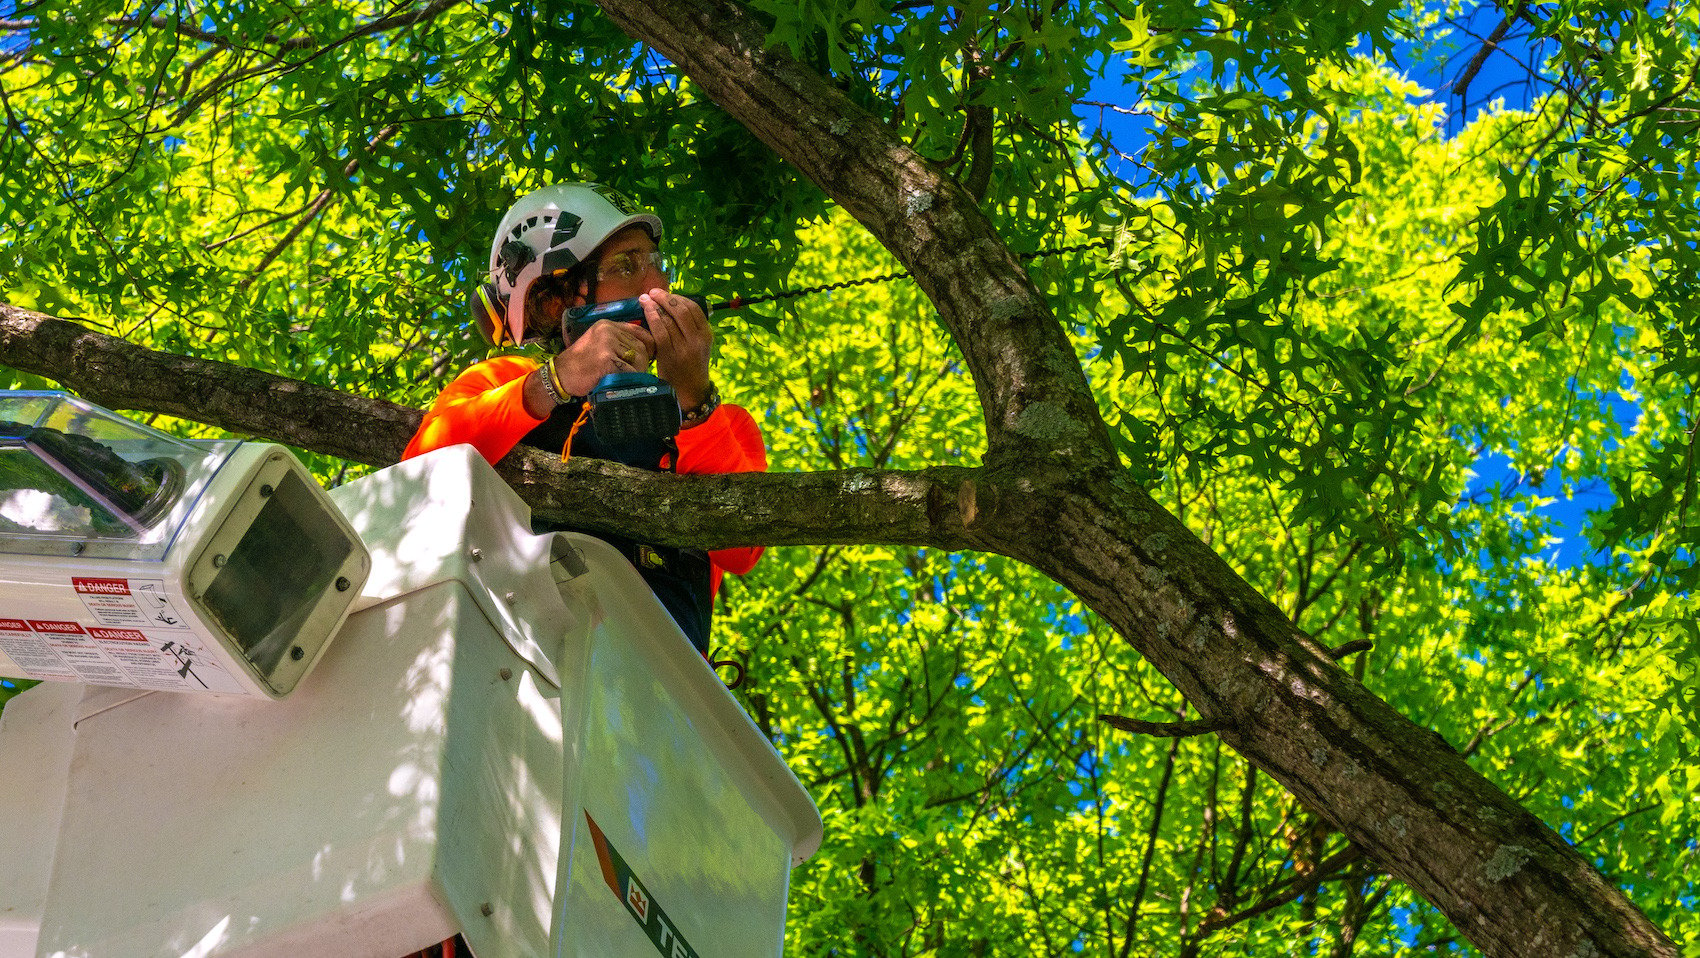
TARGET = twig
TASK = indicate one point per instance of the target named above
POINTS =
(313, 210)
(1462, 86)
(1161, 729)
(1356, 645)
(1596, 832)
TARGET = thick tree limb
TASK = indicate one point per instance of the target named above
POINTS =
(935, 507)
(1396, 790)
(118, 374)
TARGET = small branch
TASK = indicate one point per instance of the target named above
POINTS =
(974, 146)
(1626, 815)
(381, 25)
(1161, 729)
(1462, 86)
(1151, 835)
(313, 210)
(279, 218)
(1113, 108)
(1325, 870)
(275, 62)
(1350, 648)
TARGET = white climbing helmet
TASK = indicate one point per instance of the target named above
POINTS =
(546, 233)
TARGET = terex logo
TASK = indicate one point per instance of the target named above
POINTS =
(56, 628)
(663, 934)
(100, 586)
(117, 635)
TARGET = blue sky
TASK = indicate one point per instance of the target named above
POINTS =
(1437, 63)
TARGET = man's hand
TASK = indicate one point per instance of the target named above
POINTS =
(606, 347)
(682, 338)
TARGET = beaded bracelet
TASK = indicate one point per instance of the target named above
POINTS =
(699, 415)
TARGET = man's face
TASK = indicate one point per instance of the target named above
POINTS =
(626, 267)
(628, 264)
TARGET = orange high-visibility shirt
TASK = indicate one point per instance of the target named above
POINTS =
(485, 408)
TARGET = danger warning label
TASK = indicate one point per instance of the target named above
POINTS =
(141, 603)
(132, 635)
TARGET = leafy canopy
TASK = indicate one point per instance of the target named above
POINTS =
(1319, 313)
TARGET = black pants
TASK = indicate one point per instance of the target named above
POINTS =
(678, 577)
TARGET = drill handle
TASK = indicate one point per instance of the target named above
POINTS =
(577, 319)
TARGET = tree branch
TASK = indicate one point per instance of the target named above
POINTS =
(1488, 47)
(1160, 729)
(1299, 886)
(1350, 648)
(274, 58)
(1399, 792)
(381, 25)
(939, 507)
(118, 374)
(313, 210)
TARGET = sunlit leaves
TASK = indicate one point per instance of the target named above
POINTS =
(1321, 329)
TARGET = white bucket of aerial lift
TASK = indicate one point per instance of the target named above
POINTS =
(132, 558)
(509, 738)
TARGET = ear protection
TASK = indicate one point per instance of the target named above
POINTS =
(489, 313)
(488, 303)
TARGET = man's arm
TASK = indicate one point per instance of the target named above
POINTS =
(484, 407)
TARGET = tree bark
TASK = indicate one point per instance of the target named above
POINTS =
(118, 374)
(1509, 883)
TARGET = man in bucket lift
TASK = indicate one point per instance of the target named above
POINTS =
(574, 244)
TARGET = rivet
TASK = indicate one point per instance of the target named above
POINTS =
(297, 653)
(486, 910)
(511, 598)
(342, 583)
(477, 555)
(218, 561)
(506, 674)
(266, 491)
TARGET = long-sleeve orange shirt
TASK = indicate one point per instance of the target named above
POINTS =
(485, 407)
